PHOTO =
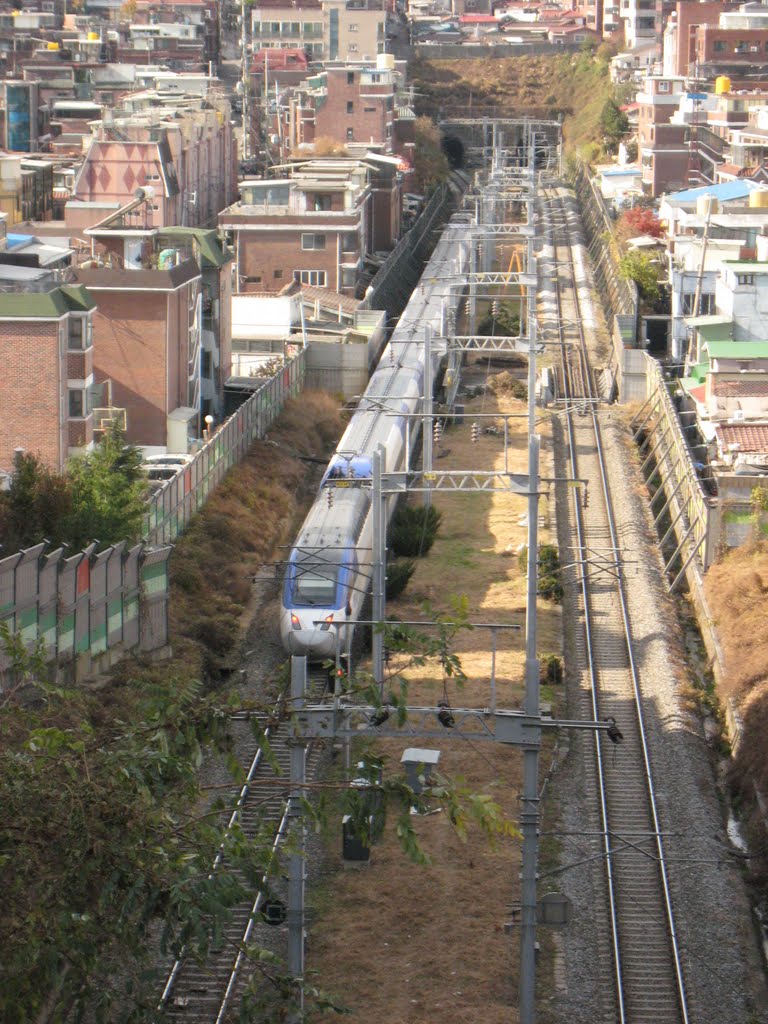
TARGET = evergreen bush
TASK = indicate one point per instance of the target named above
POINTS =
(413, 530)
(399, 575)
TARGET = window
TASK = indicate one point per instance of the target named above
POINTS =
(707, 305)
(350, 78)
(353, 27)
(277, 274)
(349, 241)
(78, 404)
(741, 46)
(348, 277)
(313, 241)
(205, 363)
(663, 86)
(320, 201)
(313, 277)
(350, 107)
(369, 110)
(77, 336)
(745, 279)
(746, 365)
(350, 134)
(353, 47)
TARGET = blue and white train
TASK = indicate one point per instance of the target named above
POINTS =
(330, 567)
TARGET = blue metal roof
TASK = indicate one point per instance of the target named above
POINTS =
(16, 240)
(736, 189)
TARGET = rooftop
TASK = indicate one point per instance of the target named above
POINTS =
(740, 350)
(725, 192)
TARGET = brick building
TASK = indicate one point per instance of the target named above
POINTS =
(185, 152)
(148, 328)
(352, 104)
(679, 45)
(314, 227)
(662, 144)
(48, 373)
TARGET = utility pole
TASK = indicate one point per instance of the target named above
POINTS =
(379, 544)
(428, 422)
(245, 82)
(297, 862)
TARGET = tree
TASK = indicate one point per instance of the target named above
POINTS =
(614, 124)
(108, 487)
(106, 841)
(637, 266)
(640, 221)
(37, 505)
(430, 162)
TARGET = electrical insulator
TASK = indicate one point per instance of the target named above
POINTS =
(437, 431)
(330, 497)
(495, 308)
(585, 498)
(475, 432)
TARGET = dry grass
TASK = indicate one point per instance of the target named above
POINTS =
(254, 509)
(736, 589)
(409, 944)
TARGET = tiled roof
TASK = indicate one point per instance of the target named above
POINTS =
(329, 298)
(749, 437)
(740, 388)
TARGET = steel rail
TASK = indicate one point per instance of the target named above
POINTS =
(632, 665)
(217, 1016)
(592, 670)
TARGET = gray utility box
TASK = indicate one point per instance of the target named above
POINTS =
(419, 763)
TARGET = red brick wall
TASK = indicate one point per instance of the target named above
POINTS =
(32, 392)
(129, 348)
(273, 256)
(368, 118)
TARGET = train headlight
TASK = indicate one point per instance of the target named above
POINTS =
(295, 621)
(326, 624)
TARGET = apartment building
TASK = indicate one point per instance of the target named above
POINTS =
(313, 227)
(48, 372)
(351, 104)
(662, 145)
(642, 23)
(325, 29)
(679, 39)
(147, 332)
(185, 153)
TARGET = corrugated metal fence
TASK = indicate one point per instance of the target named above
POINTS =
(172, 507)
(82, 611)
(85, 611)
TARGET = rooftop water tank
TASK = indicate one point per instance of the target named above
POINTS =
(758, 200)
(706, 205)
(385, 61)
(722, 85)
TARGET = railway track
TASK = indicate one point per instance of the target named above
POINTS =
(641, 972)
(210, 993)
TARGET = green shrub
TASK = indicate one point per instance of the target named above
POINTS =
(551, 669)
(550, 586)
(398, 576)
(413, 530)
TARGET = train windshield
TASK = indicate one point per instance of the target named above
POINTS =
(315, 586)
